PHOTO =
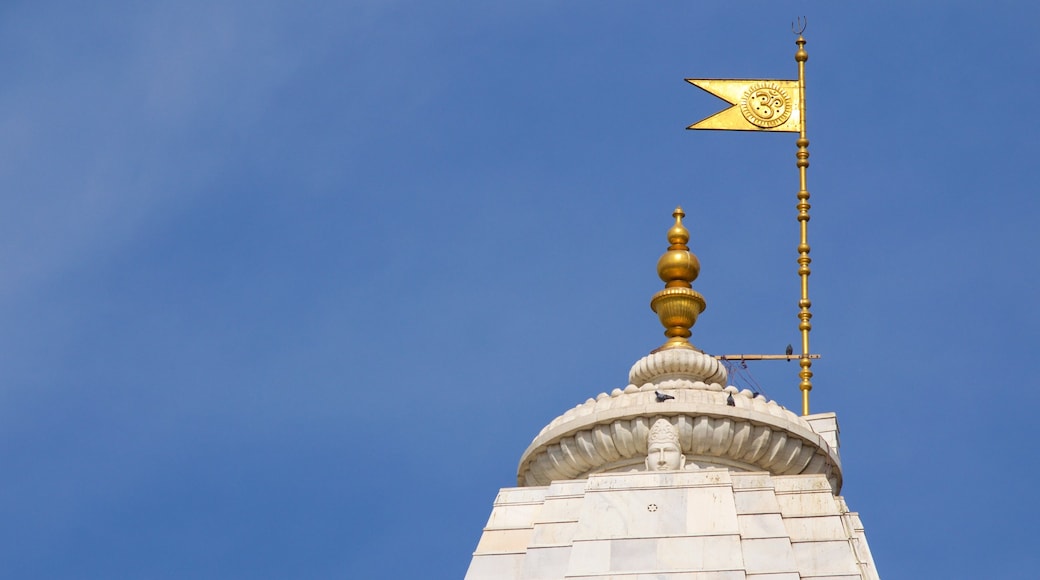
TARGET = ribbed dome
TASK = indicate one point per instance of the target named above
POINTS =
(663, 368)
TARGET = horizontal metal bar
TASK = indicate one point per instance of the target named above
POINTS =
(762, 356)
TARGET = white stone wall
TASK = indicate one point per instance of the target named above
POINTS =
(703, 524)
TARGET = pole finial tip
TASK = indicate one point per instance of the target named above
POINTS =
(800, 27)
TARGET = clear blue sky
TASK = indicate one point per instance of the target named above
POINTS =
(288, 287)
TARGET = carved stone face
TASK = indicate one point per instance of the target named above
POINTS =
(664, 456)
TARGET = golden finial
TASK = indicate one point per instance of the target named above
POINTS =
(678, 305)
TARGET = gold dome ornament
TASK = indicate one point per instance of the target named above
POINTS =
(678, 305)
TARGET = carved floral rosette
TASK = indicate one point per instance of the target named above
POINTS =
(609, 434)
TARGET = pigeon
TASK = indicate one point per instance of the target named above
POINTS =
(661, 397)
(730, 401)
(756, 395)
(790, 351)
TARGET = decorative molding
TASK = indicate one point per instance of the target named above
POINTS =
(610, 432)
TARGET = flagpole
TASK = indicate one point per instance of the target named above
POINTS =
(802, 156)
(771, 105)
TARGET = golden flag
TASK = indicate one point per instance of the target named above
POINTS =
(758, 105)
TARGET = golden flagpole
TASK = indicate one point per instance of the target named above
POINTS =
(775, 105)
(804, 314)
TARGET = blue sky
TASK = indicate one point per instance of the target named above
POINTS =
(290, 286)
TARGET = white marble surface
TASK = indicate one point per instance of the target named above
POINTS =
(832, 558)
(759, 525)
(826, 424)
(497, 566)
(675, 525)
(768, 556)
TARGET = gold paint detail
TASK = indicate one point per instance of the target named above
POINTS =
(678, 305)
(766, 105)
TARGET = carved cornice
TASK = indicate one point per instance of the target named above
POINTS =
(610, 433)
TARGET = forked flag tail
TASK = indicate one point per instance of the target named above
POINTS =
(757, 105)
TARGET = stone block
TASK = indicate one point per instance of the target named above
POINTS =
(562, 509)
(572, 487)
(768, 556)
(504, 541)
(589, 558)
(711, 511)
(633, 513)
(546, 563)
(638, 555)
(698, 553)
(756, 502)
(826, 426)
(854, 522)
(553, 534)
(809, 482)
(658, 479)
(495, 567)
(510, 495)
(814, 529)
(755, 526)
(798, 504)
(825, 559)
(752, 480)
(513, 516)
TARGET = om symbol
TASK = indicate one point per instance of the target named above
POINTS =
(765, 105)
